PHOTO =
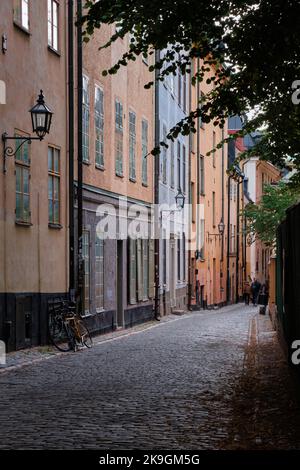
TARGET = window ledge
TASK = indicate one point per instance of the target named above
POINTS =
(87, 315)
(100, 310)
(99, 167)
(56, 52)
(133, 180)
(119, 175)
(23, 223)
(55, 226)
(22, 28)
(86, 162)
(145, 185)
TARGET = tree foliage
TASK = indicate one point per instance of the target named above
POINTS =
(251, 46)
(264, 218)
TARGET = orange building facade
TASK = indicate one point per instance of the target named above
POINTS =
(208, 212)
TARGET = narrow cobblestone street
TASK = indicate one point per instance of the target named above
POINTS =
(204, 380)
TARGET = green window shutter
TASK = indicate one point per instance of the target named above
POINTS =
(132, 271)
(151, 268)
(139, 270)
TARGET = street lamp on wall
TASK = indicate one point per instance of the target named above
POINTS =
(221, 228)
(179, 199)
(41, 117)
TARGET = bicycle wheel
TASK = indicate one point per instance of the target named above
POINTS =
(58, 333)
(85, 334)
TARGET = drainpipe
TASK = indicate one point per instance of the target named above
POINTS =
(222, 241)
(198, 188)
(80, 269)
(237, 274)
(156, 195)
(71, 149)
(190, 213)
(228, 243)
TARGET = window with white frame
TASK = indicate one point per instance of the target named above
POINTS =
(172, 165)
(119, 138)
(183, 256)
(21, 13)
(184, 91)
(85, 118)
(132, 144)
(53, 185)
(179, 86)
(202, 238)
(178, 165)
(99, 274)
(99, 127)
(144, 151)
(178, 259)
(53, 24)
(22, 161)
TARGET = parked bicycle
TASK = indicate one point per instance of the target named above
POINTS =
(67, 330)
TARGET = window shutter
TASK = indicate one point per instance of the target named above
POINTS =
(151, 268)
(132, 271)
(139, 270)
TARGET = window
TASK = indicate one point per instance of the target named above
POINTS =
(145, 247)
(53, 24)
(53, 185)
(262, 182)
(164, 260)
(99, 274)
(178, 166)
(99, 128)
(85, 118)
(144, 151)
(183, 169)
(119, 138)
(132, 141)
(172, 82)
(184, 93)
(21, 13)
(178, 260)
(22, 183)
(202, 237)
(214, 144)
(193, 202)
(179, 87)
(164, 156)
(214, 208)
(132, 270)
(201, 176)
(86, 260)
(172, 165)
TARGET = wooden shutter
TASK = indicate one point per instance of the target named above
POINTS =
(151, 269)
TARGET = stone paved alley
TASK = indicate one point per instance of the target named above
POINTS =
(204, 380)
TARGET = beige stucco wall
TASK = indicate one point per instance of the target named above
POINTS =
(33, 259)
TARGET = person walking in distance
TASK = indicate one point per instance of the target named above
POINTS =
(255, 288)
(247, 292)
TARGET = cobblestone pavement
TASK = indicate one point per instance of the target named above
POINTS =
(206, 380)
